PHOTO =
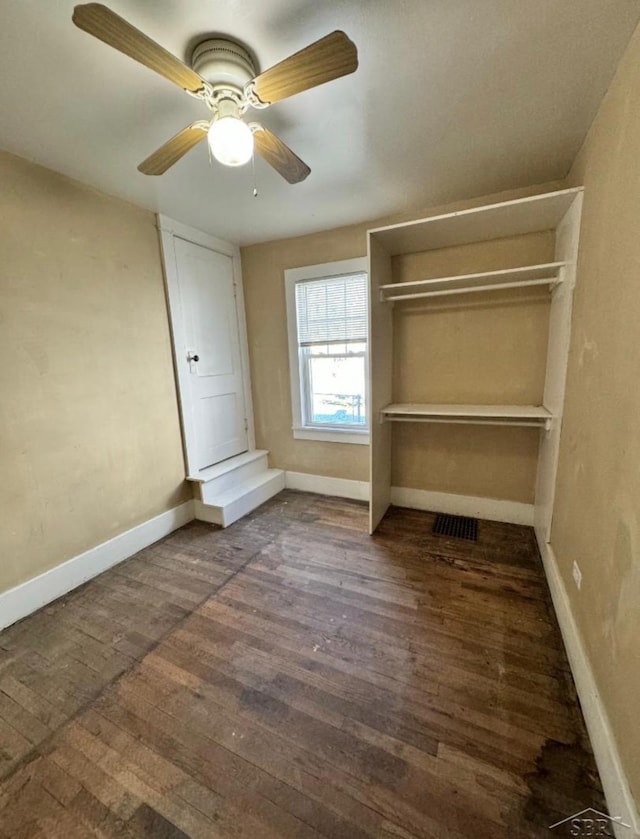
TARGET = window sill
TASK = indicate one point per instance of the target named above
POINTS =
(331, 435)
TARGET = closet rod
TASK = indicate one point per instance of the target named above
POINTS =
(469, 289)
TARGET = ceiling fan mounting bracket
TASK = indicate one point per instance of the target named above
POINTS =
(222, 93)
(252, 98)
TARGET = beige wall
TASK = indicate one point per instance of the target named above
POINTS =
(473, 461)
(263, 269)
(597, 512)
(89, 434)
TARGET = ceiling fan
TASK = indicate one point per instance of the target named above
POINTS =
(223, 76)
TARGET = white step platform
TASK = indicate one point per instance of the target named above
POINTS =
(235, 487)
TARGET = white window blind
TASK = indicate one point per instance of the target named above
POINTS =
(332, 310)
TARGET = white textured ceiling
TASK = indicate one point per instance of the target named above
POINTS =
(452, 99)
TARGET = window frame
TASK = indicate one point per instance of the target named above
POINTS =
(298, 374)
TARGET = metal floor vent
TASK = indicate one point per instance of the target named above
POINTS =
(458, 527)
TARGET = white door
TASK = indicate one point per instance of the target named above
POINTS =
(213, 409)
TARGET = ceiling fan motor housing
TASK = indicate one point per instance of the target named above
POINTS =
(224, 64)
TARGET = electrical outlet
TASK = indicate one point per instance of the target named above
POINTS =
(577, 575)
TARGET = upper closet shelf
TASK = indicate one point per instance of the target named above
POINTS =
(479, 224)
(548, 273)
(522, 415)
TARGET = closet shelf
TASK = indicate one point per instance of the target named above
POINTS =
(548, 273)
(533, 214)
(520, 415)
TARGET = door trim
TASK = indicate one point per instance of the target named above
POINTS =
(169, 230)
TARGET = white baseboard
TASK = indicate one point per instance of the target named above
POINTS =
(492, 509)
(324, 485)
(18, 602)
(616, 789)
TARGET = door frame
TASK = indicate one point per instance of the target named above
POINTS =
(169, 230)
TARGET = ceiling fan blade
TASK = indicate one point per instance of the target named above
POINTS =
(279, 155)
(323, 61)
(109, 27)
(164, 157)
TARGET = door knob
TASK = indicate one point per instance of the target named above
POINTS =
(193, 357)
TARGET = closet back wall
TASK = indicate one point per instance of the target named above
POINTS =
(90, 443)
(513, 451)
(488, 348)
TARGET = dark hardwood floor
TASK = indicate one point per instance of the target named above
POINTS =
(293, 677)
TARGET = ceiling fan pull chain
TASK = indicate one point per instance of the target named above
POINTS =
(253, 173)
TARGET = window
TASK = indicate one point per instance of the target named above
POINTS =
(327, 312)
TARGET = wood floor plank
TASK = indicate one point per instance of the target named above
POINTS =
(234, 757)
(229, 819)
(439, 650)
(292, 677)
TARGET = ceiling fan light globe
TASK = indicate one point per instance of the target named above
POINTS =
(230, 141)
